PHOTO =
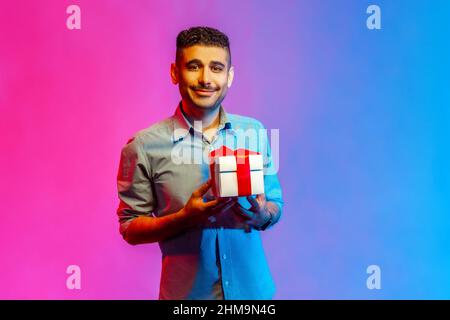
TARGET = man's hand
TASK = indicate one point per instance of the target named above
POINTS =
(197, 210)
(259, 213)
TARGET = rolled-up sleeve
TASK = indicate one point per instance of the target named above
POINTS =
(134, 185)
(272, 187)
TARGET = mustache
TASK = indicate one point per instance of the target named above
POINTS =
(204, 88)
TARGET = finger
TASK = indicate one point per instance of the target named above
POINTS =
(254, 203)
(210, 204)
(261, 197)
(225, 207)
(202, 189)
(243, 211)
(221, 203)
(225, 199)
(240, 214)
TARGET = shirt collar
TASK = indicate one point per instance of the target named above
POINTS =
(182, 126)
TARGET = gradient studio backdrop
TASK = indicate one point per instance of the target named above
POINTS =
(364, 127)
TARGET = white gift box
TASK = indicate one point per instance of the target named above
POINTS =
(237, 175)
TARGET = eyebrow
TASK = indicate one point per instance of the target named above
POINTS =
(193, 61)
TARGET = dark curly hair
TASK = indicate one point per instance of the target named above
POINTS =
(204, 36)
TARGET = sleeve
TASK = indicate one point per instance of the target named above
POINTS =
(272, 187)
(134, 185)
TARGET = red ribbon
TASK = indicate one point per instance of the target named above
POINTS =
(242, 169)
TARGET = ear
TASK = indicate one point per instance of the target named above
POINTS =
(174, 73)
(230, 76)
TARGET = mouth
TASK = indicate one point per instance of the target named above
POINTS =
(205, 93)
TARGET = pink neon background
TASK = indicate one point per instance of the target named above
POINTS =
(70, 100)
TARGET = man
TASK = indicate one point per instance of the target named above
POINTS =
(211, 247)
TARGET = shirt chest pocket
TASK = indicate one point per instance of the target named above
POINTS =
(174, 184)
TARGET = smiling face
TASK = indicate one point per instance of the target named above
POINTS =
(203, 74)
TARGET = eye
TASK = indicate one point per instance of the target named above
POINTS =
(192, 67)
(217, 68)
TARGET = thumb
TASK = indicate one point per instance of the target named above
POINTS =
(261, 197)
(202, 189)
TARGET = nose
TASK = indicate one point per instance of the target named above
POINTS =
(205, 79)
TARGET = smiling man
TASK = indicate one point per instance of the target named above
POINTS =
(211, 248)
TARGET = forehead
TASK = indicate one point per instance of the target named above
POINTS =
(205, 54)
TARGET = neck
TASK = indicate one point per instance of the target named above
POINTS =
(208, 117)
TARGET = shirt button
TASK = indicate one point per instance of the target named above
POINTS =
(224, 257)
(227, 283)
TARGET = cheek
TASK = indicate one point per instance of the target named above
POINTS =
(222, 82)
(188, 78)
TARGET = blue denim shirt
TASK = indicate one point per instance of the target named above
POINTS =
(159, 169)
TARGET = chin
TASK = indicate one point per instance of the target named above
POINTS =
(209, 106)
(204, 104)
